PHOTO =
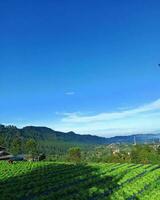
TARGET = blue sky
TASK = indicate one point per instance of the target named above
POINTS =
(86, 66)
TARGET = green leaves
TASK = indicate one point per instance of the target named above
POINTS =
(16, 146)
(31, 148)
(74, 154)
(50, 180)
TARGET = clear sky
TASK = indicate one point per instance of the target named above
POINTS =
(89, 66)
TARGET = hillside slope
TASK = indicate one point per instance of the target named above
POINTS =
(44, 133)
(47, 134)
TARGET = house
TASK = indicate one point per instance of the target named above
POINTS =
(4, 155)
(115, 151)
(114, 148)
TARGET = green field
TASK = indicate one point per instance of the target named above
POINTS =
(64, 181)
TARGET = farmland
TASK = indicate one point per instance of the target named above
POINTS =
(66, 181)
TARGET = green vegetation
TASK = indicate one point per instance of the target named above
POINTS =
(74, 154)
(80, 171)
(48, 141)
(16, 146)
(67, 181)
(140, 154)
(31, 148)
(55, 145)
(58, 150)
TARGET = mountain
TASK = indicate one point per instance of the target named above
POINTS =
(49, 141)
(51, 136)
(44, 133)
(138, 138)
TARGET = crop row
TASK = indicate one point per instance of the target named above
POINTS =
(47, 180)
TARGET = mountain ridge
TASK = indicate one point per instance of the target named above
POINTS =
(45, 133)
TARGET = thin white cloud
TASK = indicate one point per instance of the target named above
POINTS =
(70, 93)
(77, 118)
(141, 119)
(67, 114)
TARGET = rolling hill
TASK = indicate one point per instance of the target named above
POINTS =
(47, 134)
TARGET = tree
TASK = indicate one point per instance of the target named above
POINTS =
(16, 146)
(74, 154)
(31, 148)
(42, 157)
(158, 150)
(2, 141)
(144, 154)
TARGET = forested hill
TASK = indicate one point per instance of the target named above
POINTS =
(47, 134)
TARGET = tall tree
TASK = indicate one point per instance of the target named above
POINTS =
(2, 141)
(31, 148)
(74, 154)
(16, 146)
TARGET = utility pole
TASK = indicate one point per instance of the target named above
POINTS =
(134, 143)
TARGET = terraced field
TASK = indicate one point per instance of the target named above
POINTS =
(64, 181)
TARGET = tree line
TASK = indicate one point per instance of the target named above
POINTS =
(18, 146)
(141, 153)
